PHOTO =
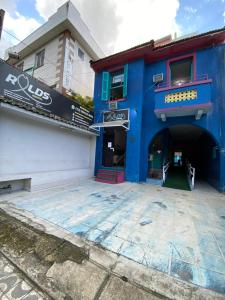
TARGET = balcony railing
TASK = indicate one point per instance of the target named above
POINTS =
(185, 99)
(168, 85)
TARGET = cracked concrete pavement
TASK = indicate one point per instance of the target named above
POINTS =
(37, 265)
(50, 263)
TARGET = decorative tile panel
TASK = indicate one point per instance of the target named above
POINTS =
(181, 96)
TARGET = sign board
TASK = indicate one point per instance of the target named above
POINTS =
(19, 86)
(116, 115)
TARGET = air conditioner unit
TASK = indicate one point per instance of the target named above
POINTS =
(158, 78)
(112, 105)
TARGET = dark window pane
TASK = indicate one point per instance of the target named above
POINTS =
(40, 56)
(80, 54)
(116, 93)
(181, 71)
(116, 86)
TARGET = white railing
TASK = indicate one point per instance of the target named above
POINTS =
(165, 169)
(191, 175)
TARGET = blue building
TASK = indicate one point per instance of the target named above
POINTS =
(160, 112)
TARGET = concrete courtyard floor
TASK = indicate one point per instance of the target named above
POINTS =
(179, 233)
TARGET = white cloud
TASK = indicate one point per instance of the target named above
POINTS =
(15, 24)
(47, 8)
(99, 15)
(145, 20)
(120, 24)
(8, 5)
(4, 44)
(116, 24)
(224, 16)
(19, 25)
(190, 10)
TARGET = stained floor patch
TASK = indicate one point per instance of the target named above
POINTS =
(160, 204)
(160, 228)
(146, 222)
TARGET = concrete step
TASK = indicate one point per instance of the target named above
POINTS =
(110, 176)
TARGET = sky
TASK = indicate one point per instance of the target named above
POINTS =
(116, 24)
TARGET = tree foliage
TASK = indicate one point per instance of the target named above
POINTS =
(86, 101)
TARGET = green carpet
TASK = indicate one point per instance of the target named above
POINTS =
(177, 179)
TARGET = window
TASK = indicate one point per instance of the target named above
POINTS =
(80, 54)
(20, 66)
(29, 71)
(39, 60)
(181, 71)
(114, 84)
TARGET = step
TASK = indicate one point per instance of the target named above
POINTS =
(105, 181)
(110, 176)
(109, 172)
(107, 177)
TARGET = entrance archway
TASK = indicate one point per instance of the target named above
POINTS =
(178, 147)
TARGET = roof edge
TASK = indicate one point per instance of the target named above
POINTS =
(146, 49)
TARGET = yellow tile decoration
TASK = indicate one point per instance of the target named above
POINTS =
(181, 96)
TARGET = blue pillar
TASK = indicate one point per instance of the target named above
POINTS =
(134, 136)
(99, 151)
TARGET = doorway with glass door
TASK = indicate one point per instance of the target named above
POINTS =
(114, 147)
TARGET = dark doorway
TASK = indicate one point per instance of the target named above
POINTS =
(114, 147)
(184, 146)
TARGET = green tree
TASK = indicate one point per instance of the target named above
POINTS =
(86, 102)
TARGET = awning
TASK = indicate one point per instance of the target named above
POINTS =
(120, 123)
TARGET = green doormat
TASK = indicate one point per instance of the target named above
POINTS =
(177, 179)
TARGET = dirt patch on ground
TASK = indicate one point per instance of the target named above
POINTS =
(21, 239)
(34, 252)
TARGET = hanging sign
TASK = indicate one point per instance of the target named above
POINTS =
(116, 115)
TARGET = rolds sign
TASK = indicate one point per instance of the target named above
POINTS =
(21, 87)
(21, 84)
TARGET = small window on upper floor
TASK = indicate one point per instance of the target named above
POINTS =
(39, 59)
(181, 71)
(80, 54)
(114, 84)
(20, 66)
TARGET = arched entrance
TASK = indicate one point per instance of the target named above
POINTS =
(176, 148)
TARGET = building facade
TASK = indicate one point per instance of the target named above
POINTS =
(160, 105)
(58, 53)
(45, 137)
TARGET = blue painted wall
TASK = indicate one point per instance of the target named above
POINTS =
(144, 125)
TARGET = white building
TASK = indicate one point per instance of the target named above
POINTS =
(38, 152)
(58, 52)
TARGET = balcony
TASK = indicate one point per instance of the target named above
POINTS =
(189, 99)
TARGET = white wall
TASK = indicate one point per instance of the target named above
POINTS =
(48, 154)
(83, 76)
(46, 73)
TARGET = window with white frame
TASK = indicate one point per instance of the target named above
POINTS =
(39, 59)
